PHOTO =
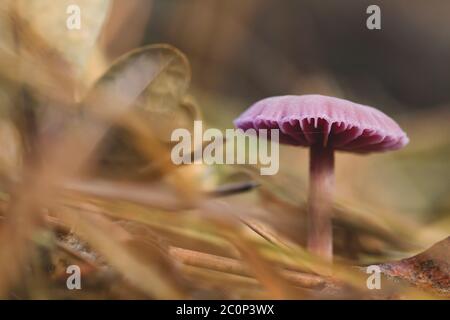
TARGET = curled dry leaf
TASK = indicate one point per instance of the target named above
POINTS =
(158, 77)
(428, 270)
(154, 80)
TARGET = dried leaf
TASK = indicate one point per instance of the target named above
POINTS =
(155, 78)
(49, 19)
(159, 76)
(428, 270)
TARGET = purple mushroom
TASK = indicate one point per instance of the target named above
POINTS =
(324, 124)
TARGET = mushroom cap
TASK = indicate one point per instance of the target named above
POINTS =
(315, 119)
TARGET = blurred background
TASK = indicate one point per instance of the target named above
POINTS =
(243, 51)
(260, 48)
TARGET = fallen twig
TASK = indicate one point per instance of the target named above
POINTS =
(233, 266)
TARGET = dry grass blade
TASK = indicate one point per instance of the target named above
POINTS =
(154, 196)
(111, 241)
(227, 265)
(22, 218)
(263, 271)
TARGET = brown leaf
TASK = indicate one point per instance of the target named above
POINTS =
(157, 74)
(155, 79)
(428, 270)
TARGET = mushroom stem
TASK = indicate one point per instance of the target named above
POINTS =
(321, 185)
